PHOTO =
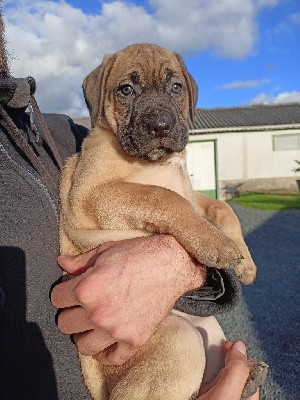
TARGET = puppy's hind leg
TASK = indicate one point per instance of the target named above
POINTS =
(169, 367)
(94, 378)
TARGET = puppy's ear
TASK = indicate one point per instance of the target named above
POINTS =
(191, 86)
(94, 88)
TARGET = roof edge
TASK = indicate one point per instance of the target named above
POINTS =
(295, 103)
(245, 128)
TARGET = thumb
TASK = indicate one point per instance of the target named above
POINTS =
(76, 265)
(231, 380)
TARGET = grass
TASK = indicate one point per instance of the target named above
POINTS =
(268, 201)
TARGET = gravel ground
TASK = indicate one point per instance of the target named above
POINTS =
(268, 317)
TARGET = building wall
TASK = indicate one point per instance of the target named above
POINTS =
(264, 162)
(248, 156)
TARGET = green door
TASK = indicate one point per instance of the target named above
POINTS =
(201, 165)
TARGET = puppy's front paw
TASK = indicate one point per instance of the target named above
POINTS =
(257, 376)
(246, 271)
(222, 254)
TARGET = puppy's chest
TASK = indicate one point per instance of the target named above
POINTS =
(172, 176)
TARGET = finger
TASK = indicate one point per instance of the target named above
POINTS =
(74, 320)
(232, 378)
(116, 354)
(236, 370)
(227, 345)
(92, 342)
(63, 295)
(237, 351)
(79, 264)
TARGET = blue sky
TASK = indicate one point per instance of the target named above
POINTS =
(240, 52)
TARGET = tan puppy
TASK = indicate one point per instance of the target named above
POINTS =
(130, 180)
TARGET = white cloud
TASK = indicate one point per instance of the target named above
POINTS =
(244, 84)
(59, 44)
(284, 97)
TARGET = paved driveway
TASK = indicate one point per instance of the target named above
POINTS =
(268, 316)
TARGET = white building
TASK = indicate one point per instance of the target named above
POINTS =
(240, 149)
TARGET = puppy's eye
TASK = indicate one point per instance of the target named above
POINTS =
(176, 88)
(126, 89)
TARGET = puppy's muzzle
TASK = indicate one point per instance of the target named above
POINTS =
(158, 126)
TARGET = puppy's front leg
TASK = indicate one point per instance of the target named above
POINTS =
(222, 217)
(128, 206)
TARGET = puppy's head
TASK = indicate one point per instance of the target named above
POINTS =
(146, 96)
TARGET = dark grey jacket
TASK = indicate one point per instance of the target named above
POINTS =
(36, 360)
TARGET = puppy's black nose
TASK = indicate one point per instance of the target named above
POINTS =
(158, 126)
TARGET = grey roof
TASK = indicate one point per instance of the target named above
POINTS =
(248, 116)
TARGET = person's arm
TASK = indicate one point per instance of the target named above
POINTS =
(122, 292)
(231, 380)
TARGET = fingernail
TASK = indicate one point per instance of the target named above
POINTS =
(239, 346)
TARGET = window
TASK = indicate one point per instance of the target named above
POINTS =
(286, 142)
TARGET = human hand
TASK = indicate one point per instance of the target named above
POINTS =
(122, 291)
(231, 380)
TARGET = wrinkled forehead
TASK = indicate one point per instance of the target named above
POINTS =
(145, 65)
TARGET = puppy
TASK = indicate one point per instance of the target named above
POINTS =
(129, 180)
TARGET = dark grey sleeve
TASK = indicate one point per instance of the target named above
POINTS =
(220, 294)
